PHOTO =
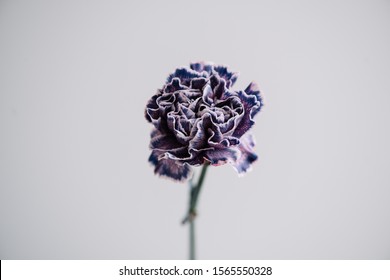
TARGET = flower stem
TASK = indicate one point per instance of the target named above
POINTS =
(192, 240)
(194, 194)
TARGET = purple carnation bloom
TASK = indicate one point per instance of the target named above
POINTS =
(199, 119)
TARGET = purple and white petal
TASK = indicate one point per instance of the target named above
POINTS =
(253, 89)
(251, 107)
(225, 74)
(174, 86)
(170, 168)
(202, 67)
(185, 76)
(163, 142)
(221, 156)
(248, 156)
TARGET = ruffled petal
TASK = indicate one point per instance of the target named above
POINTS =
(173, 86)
(247, 155)
(163, 142)
(222, 156)
(202, 67)
(170, 168)
(208, 95)
(185, 76)
(228, 76)
(253, 89)
(198, 83)
(198, 137)
(252, 106)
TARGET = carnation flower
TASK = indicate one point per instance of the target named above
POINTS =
(199, 119)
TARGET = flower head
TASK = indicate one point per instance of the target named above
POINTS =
(198, 119)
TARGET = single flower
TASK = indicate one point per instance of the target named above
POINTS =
(199, 119)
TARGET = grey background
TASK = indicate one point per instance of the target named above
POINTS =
(74, 178)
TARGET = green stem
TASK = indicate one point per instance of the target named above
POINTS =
(192, 240)
(194, 194)
(196, 190)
